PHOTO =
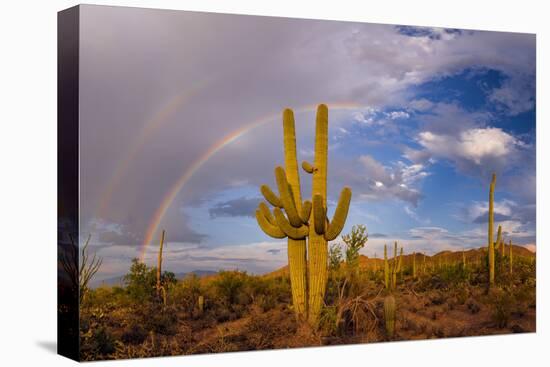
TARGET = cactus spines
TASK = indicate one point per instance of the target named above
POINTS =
(299, 220)
(490, 230)
(389, 315)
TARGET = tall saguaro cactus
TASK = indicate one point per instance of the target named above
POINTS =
(511, 258)
(308, 267)
(491, 225)
(161, 291)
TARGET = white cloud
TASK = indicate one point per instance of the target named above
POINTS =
(395, 115)
(377, 182)
(515, 95)
(414, 215)
(421, 104)
(478, 150)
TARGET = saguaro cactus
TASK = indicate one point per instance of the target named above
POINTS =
(391, 271)
(511, 258)
(389, 315)
(200, 304)
(490, 230)
(161, 291)
(386, 268)
(307, 219)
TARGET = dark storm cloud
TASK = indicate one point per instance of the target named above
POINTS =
(241, 207)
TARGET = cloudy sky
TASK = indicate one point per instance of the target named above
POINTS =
(181, 123)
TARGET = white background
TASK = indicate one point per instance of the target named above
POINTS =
(28, 182)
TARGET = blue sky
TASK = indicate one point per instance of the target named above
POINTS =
(429, 115)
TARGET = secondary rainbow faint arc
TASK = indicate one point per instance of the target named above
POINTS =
(146, 131)
(212, 150)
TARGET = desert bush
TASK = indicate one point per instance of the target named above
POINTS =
(140, 282)
(186, 293)
(134, 334)
(96, 343)
(229, 287)
(267, 293)
(263, 329)
(502, 302)
(154, 317)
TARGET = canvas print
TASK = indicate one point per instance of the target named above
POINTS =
(234, 183)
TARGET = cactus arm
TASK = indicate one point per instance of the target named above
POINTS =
(270, 196)
(268, 228)
(340, 215)
(295, 233)
(321, 151)
(267, 213)
(319, 215)
(291, 163)
(306, 211)
(287, 198)
(308, 167)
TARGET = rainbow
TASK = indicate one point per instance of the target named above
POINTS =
(212, 150)
(148, 129)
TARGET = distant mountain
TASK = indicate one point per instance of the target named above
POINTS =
(444, 256)
(119, 280)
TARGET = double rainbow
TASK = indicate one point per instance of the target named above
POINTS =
(170, 196)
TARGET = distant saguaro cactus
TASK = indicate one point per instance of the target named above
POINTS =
(414, 265)
(161, 291)
(304, 219)
(386, 268)
(511, 258)
(491, 244)
(200, 304)
(392, 270)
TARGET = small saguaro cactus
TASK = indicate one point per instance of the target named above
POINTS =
(491, 244)
(511, 258)
(386, 268)
(499, 238)
(463, 259)
(423, 264)
(200, 304)
(392, 270)
(389, 315)
(304, 220)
